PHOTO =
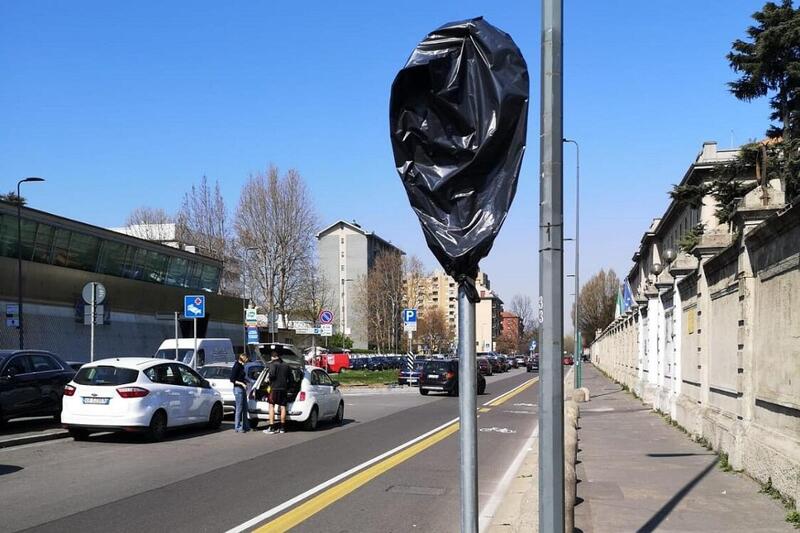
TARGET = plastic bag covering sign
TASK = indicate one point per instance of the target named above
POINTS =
(458, 118)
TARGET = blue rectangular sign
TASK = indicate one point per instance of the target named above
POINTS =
(252, 335)
(194, 306)
(409, 316)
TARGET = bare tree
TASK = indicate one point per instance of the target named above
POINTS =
(522, 306)
(434, 330)
(203, 222)
(415, 279)
(150, 223)
(276, 220)
(597, 301)
(316, 293)
(379, 300)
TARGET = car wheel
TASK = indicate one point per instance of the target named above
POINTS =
(342, 370)
(424, 392)
(313, 418)
(215, 418)
(339, 414)
(78, 434)
(158, 426)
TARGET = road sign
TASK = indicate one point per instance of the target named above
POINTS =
(99, 292)
(326, 330)
(251, 317)
(410, 319)
(326, 317)
(308, 331)
(533, 345)
(12, 315)
(194, 306)
(252, 335)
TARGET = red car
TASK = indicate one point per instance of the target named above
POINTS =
(568, 360)
(334, 362)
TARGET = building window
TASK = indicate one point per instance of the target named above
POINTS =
(112, 258)
(60, 248)
(83, 251)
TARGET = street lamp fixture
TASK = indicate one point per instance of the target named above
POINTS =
(670, 255)
(578, 349)
(19, 257)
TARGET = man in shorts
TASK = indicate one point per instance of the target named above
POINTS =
(278, 374)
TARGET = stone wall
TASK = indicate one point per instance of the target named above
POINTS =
(717, 345)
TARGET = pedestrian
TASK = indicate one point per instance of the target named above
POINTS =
(239, 379)
(278, 375)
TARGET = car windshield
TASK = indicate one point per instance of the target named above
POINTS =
(437, 366)
(216, 372)
(184, 354)
(285, 352)
(105, 375)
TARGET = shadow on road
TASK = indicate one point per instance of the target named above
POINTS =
(662, 513)
(27, 425)
(9, 469)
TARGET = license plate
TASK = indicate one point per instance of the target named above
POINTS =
(98, 401)
(433, 376)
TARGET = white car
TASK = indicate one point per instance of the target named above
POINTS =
(219, 376)
(313, 396)
(138, 394)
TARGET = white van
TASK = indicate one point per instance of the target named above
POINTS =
(208, 351)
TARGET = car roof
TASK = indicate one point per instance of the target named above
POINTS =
(138, 363)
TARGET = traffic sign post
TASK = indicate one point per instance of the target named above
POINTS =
(194, 307)
(410, 325)
(93, 293)
(326, 317)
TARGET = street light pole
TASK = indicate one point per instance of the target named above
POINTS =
(578, 341)
(551, 271)
(19, 259)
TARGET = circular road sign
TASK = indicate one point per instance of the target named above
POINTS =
(326, 317)
(100, 293)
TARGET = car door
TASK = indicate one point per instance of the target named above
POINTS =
(331, 398)
(169, 391)
(196, 398)
(323, 387)
(49, 376)
(19, 391)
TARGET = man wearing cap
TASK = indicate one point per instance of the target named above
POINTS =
(278, 375)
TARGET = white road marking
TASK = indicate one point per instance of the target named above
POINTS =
(497, 430)
(524, 405)
(487, 513)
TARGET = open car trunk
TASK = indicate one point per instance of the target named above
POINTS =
(290, 356)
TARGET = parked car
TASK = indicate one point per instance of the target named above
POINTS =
(410, 377)
(336, 361)
(484, 367)
(76, 365)
(219, 376)
(359, 363)
(568, 360)
(138, 394)
(533, 363)
(512, 361)
(503, 362)
(494, 362)
(31, 383)
(521, 360)
(442, 376)
(208, 351)
(376, 362)
(312, 395)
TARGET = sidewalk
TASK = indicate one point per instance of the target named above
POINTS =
(637, 473)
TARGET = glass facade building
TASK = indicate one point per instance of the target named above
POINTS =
(92, 249)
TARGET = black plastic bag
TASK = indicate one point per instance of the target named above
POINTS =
(458, 118)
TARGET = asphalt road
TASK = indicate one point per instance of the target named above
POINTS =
(200, 481)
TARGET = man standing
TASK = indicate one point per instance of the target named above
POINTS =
(241, 422)
(278, 374)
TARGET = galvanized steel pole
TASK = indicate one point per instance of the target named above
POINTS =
(578, 348)
(467, 407)
(551, 272)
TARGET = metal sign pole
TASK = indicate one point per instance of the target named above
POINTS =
(551, 271)
(194, 355)
(94, 308)
(176, 335)
(467, 408)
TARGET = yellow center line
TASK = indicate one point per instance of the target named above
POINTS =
(301, 513)
(484, 410)
(508, 396)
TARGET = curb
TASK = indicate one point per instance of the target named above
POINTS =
(30, 439)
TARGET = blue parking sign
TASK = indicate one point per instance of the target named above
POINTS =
(252, 335)
(409, 316)
(194, 306)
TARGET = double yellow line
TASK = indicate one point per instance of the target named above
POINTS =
(319, 502)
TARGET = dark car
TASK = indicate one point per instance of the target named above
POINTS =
(533, 363)
(512, 361)
(442, 376)
(31, 383)
(376, 363)
(359, 363)
(494, 362)
(484, 367)
(410, 377)
(504, 362)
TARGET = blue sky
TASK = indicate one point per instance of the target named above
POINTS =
(119, 105)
